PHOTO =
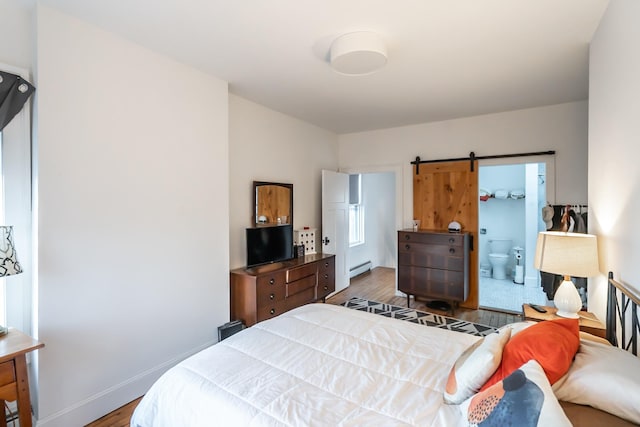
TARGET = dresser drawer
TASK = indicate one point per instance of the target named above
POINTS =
(433, 283)
(303, 297)
(432, 256)
(268, 294)
(326, 271)
(275, 278)
(300, 285)
(325, 289)
(298, 273)
(7, 373)
(430, 238)
(271, 310)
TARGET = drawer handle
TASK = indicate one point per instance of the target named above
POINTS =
(272, 311)
(407, 236)
(451, 240)
(407, 247)
(326, 264)
(326, 276)
(271, 296)
(272, 281)
(326, 287)
(452, 251)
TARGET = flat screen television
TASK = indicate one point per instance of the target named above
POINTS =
(269, 244)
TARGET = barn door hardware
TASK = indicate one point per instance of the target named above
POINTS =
(472, 158)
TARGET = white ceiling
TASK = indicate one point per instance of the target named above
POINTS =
(446, 58)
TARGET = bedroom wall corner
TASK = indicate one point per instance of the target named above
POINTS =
(133, 195)
(266, 145)
(614, 129)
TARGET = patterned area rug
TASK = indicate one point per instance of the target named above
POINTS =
(420, 317)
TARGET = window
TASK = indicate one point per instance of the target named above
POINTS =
(16, 210)
(356, 211)
(3, 303)
(356, 225)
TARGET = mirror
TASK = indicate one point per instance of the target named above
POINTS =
(273, 203)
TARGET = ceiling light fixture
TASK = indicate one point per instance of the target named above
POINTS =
(358, 53)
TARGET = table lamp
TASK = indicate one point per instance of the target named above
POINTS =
(9, 264)
(567, 254)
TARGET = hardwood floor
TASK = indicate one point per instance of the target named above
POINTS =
(118, 418)
(377, 285)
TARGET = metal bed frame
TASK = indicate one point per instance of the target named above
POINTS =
(623, 327)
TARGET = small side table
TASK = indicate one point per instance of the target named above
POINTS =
(588, 321)
(14, 379)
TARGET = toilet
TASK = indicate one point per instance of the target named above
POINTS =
(499, 253)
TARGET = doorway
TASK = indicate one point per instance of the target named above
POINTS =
(374, 211)
(510, 216)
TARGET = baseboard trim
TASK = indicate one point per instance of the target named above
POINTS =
(108, 400)
(359, 269)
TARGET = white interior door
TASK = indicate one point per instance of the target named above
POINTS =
(335, 222)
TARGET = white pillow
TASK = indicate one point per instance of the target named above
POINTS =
(524, 399)
(518, 326)
(474, 367)
(604, 377)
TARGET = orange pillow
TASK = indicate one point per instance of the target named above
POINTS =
(552, 343)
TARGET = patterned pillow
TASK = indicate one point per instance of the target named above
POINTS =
(475, 366)
(522, 399)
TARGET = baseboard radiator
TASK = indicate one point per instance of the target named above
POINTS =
(359, 269)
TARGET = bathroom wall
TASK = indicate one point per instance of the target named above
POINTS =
(501, 218)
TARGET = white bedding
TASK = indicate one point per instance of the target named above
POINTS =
(319, 364)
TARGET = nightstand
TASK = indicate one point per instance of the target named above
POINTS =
(14, 380)
(588, 321)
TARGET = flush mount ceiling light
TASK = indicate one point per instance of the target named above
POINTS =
(358, 53)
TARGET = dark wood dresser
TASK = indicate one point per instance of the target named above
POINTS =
(264, 292)
(434, 265)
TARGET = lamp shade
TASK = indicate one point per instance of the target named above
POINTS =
(9, 264)
(568, 254)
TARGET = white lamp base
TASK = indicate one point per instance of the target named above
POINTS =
(568, 315)
(567, 299)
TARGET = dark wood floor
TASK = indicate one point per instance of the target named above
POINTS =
(377, 285)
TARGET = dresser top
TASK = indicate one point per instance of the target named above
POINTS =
(283, 265)
(423, 231)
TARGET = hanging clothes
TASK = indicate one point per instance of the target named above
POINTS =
(572, 219)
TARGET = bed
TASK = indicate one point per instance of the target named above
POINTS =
(322, 364)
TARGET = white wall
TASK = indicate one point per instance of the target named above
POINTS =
(614, 131)
(265, 145)
(132, 179)
(378, 199)
(16, 34)
(562, 128)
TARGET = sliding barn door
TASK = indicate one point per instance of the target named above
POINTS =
(446, 192)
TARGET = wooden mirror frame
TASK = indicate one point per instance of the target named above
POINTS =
(271, 201)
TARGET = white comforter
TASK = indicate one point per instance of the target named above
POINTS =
(319, 364)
